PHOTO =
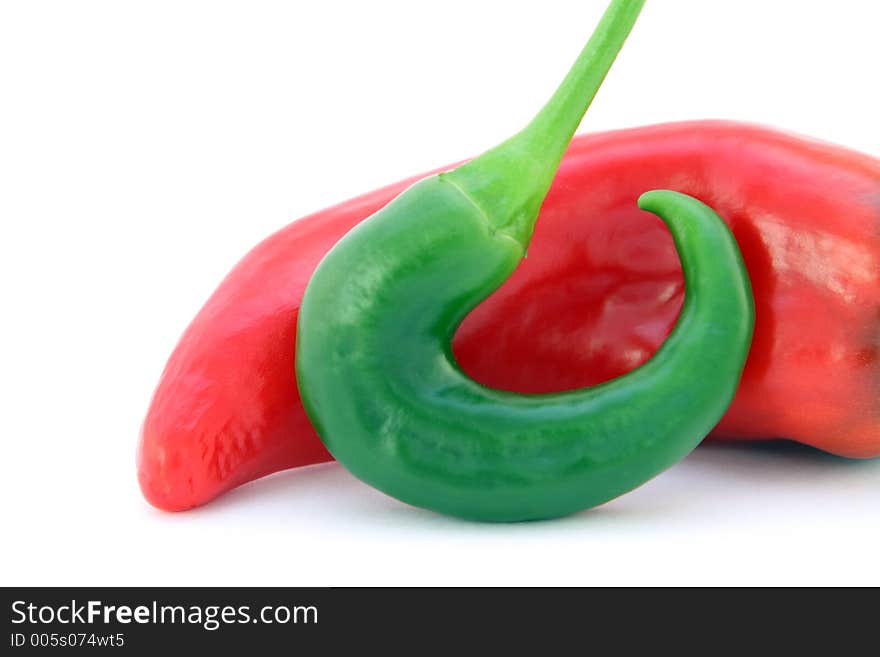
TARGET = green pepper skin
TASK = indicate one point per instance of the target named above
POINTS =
(379, 381)
(374, 360)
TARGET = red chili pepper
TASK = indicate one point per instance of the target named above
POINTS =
(600, 290)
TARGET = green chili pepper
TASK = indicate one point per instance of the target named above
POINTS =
(374, 360)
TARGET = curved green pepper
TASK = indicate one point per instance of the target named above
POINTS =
(380, 383)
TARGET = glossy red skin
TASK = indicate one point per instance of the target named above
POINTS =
(599, 291)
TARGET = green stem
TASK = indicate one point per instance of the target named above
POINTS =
(510, 181)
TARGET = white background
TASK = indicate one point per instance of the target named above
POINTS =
(145, 146)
